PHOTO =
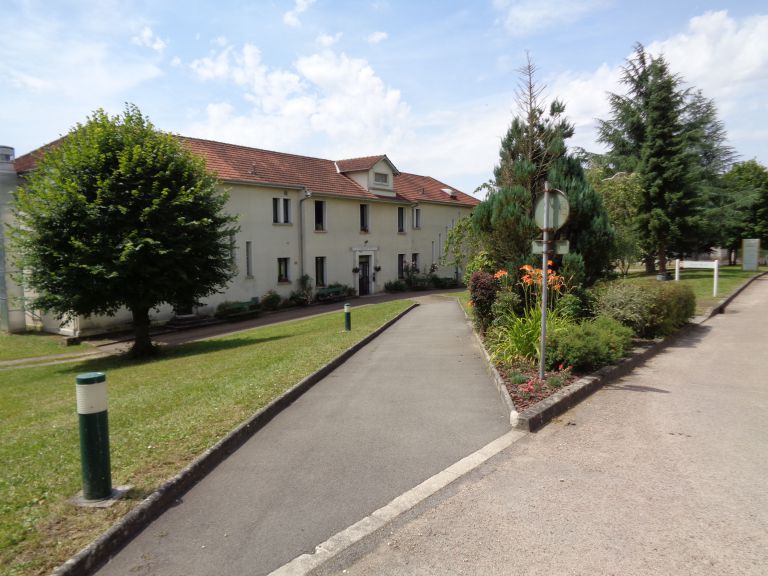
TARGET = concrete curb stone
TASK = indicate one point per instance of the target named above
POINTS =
(119, 534)
(563, 400)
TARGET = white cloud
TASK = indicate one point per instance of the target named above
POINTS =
(148, 39)
(525, 17)
(377, 37)
(335, 101)
(291, 18)
(326, 40)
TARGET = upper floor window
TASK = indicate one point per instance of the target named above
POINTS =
(319, 215)
(417, 217)
(364, 220)
(281, 210)
(380, 178)
(400, 219)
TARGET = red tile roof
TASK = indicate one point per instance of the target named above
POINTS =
(357, 164)
(426, 189)
(243, 164)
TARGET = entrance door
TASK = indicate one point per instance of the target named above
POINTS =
(364, 279)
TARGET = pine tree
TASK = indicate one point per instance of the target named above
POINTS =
(666, 208)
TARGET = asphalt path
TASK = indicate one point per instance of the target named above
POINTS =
(664, 472)
(412, 402)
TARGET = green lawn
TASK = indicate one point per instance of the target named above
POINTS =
(730, 278)
(18, 346)
(162, 413)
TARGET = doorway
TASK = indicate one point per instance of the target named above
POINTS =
(364, 278)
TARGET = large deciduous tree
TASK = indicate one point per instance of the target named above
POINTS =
(119, 214)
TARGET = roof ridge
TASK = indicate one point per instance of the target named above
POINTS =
(242, 146)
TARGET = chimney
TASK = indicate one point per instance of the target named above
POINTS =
(7, 157)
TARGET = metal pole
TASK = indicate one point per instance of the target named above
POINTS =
(544, 290)
(91, 389)
(347, 318)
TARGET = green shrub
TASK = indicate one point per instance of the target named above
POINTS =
(650, 309)
(570, 306)
(628, 303)
(674, 304)
(271, 300)
(573, 271)
(506, 305)
(395, 286)
(589, 345)
(519, 337)
(482, 262)
(482, 291)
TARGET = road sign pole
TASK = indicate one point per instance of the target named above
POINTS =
(544, 256)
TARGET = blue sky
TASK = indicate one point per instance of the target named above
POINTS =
(430, 84)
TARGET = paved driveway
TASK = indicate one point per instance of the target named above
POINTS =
(414, 401)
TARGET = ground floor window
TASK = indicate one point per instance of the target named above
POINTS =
(282, 270)
(320, 271)
(401, 266)
(249, 259)
(415, 262)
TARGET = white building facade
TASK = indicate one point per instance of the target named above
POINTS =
(356, 222)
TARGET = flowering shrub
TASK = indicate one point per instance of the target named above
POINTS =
(531, 281)
(483, 287)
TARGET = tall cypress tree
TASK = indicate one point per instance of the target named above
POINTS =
(666, 209)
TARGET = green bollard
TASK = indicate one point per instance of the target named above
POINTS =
(94, 435)
(347, 318)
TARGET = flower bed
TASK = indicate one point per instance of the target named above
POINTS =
(526, 388)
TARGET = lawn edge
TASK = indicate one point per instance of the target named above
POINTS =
(99, 552)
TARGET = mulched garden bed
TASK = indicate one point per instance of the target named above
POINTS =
(526, 389)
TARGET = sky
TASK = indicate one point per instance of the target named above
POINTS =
(431, 84)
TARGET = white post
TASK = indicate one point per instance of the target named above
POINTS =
(717, 270)
(677, 270)
(544, 291)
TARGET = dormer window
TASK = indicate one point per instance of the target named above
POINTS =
(381, 178)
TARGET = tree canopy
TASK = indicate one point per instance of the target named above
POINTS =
(119, 214)
(532, 152)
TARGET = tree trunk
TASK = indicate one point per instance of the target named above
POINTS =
(142, 343)
(663, 261)
(650, 264)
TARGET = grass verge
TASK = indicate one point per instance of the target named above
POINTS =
(19, 346)
(162, 414)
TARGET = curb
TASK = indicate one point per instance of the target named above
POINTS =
(98, 552)
(546, 410)
(720, 307)
(308, 563)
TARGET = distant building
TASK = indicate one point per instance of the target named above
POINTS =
(358, 222)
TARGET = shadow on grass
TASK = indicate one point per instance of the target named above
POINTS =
(169, 353)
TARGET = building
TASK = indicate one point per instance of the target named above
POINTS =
(357, 222)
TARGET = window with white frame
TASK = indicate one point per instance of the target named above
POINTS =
(417, 218)
(381, 178)
(319, 216)
(282, 269)
(364, 218)
(400, 219)
(281, 210)
(320, 271)
(249, 259)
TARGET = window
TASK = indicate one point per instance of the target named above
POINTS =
(417, 217)
(380, 178)
(415, 262)
(320, 271)
(401, 219)
(282, 270)
(364, 217)
(281, 210)
(232, 248)
(401, 266)
(319, 215)
(249, 259)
